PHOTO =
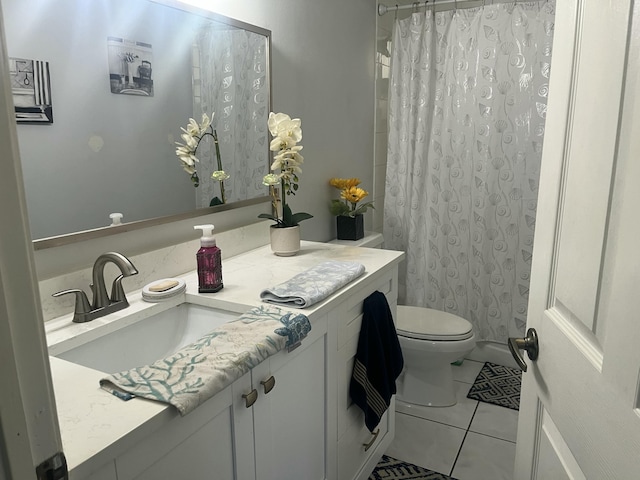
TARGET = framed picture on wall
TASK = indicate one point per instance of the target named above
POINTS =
(31, 89)
(130, 67)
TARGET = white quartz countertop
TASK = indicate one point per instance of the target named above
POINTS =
(94, 424)
(246, 275)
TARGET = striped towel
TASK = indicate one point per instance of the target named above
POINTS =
(378, 360)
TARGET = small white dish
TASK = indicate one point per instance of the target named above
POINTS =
(163, 289)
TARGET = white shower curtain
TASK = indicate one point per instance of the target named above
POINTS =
(467, 106)
(231, 82)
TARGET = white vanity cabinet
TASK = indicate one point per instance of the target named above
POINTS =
(358, 450)
(303, 427)
(268, 425)
(289, 421)
(198, 445)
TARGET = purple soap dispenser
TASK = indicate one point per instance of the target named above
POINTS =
(209, 261)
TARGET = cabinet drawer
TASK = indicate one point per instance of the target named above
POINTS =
(348, 314)
(351, 448)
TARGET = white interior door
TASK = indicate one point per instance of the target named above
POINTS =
(580, 405)
(29, 433)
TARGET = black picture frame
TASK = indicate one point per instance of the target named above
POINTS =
(31, 89)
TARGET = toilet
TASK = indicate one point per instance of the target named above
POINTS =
(431, 341)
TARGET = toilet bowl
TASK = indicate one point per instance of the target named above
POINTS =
(431, 341)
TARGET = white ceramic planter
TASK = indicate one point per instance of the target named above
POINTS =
(285, 242)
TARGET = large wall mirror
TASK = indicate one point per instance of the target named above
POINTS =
(102, 89)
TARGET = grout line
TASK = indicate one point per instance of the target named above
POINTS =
(475, 410)
(463, 382)
(432, 421)
(487, 434)
(491, 436)
(463, 439)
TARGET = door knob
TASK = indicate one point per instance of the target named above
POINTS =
(528, 343)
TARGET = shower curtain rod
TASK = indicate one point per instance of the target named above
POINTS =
(382, 9)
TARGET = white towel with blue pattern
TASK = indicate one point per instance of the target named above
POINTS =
(313, 285)
(205, 367)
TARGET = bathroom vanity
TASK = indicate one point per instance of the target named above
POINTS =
(288, 418)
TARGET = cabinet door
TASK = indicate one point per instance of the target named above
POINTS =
(358, 450)
(199, 445)
(289, 421)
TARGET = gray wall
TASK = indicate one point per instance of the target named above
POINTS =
(323, 72)
(135, 171)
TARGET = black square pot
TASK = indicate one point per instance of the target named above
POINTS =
(350, 228)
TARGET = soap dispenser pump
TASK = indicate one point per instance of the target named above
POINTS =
(209, 261)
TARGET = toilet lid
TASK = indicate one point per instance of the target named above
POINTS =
(429, 324)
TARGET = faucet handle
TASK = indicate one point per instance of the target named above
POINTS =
(117, 291)
(82, 308)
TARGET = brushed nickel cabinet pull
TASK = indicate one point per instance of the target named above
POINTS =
(268, 384)
(367, 446)
(251, 397)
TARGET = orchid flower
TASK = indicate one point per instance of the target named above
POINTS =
(287, 132)
(193, 134)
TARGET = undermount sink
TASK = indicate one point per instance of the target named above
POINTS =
(149, 339)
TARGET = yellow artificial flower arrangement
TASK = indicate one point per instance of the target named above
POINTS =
(350, 195)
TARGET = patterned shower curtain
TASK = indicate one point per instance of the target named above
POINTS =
(230, 80)
(467, 107)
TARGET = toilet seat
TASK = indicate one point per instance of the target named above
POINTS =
(434, 325)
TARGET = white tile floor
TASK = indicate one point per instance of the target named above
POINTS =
(469, 441)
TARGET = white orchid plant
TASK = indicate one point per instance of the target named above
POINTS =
(286, 133)
(186, 152)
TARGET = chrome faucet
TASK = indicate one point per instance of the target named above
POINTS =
(102, 304)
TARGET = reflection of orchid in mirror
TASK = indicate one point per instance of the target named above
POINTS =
(186, 152)
(220, 175)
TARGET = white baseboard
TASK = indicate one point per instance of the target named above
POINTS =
(493, 352)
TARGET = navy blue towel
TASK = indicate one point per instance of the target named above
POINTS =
(378, 360)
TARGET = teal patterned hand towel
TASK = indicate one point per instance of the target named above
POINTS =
(198, 371)
(313, 285)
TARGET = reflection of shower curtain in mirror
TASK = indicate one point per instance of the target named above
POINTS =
(467, 107)
(230, 79)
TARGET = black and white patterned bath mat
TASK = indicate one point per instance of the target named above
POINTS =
(498, 385)
(389, 468)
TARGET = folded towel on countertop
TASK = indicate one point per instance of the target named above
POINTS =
(313, 285)
(198, 371)
(378, 360)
